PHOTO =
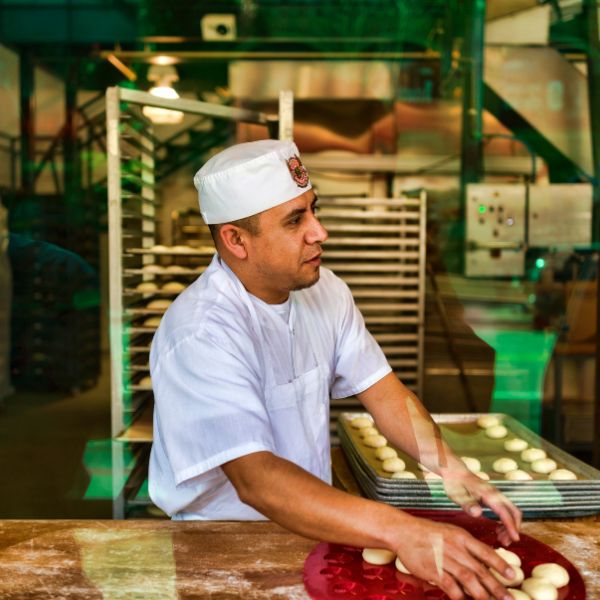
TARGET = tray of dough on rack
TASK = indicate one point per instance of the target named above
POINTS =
(540, 478)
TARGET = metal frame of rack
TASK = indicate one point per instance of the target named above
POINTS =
(377, 246)
(135, 258)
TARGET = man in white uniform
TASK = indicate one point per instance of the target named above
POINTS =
(243, 366)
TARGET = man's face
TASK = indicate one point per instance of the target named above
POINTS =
(285, 255)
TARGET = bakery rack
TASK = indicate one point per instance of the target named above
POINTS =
(139, 268)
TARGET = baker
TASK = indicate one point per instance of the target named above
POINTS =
(243, 367)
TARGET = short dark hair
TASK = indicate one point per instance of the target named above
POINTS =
(251, 224)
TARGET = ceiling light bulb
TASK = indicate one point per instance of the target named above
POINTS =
(163, 116)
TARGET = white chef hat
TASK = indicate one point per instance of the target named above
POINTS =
(246, 179)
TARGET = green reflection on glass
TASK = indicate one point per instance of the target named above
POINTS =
(482, 209)
(521, 361)
(98, 461)
(540, 263)
(111, 560)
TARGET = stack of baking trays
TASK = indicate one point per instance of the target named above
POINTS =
(537, 494)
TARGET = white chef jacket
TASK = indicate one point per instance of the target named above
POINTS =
(231, 376)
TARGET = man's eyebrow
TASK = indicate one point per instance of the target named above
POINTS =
(294, 213)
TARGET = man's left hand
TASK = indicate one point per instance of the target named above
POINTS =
(471, 493)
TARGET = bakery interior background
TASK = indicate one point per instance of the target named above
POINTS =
(488, 112)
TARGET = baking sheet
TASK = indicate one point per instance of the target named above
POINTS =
(539, 497)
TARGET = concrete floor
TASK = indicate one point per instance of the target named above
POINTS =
(42, 442)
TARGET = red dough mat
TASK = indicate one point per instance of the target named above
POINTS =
(335, 572)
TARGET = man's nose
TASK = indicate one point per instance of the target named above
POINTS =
(316, 234)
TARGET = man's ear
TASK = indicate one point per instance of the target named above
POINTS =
(233, 239)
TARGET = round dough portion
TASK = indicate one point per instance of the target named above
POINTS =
(367, 431)
(518, 475)
(393, 465)
(515, 581)
(361, 422)
(146, 286)
(532, 454)
(173, 286)
(515, 445)
(504, 465)
(385, 453)
(486, 421)
(519, 595)
(152, 322)
(378, 556)
(562, 475)
(403, 475)
(375, 441)
(538, 589)
(471, 463)
(497, 432)
(145, 381)
(175, 269)
(400, 566)
(483, 475)
(544, 465)
(159, 303)
(423, 468)
(552, 573)
(152, 269)
(159, 248)
(510, 557)
(433, 476)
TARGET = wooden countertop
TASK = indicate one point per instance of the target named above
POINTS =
(165, 560)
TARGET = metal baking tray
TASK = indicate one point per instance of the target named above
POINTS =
(467, 439)
(385, 484)
(538, 497)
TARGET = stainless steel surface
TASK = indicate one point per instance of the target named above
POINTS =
(560, 214)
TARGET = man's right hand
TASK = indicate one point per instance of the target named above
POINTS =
(451, 558)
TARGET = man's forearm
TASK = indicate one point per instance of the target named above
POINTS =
(402, 418)
(302, 503)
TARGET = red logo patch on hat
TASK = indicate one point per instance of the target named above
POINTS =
(298, 171)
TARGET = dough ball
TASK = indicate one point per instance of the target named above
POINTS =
(538, 589)
(483, 475)
(504, 465)
(159, 248)
(152, 322)
(552, 573)
(403, 475)
(175, 269)
(145, 381)
(514, 582)
(152, 269)
(519, 595)
(385, 453)
(159, 303)
(562, 475)
(510, 557)
(375, 441)
(471, 463)
(146, 286)
(367, 431)
(393, 465)
(182, 249)
(423, 468)
(432, 475)
(515, 445)
(544, 465)
(532, 454)
(518, 475)
(361, 422)
(173, 286)
(400, 566)
(497, 432)
(378, 556)
(486, 421)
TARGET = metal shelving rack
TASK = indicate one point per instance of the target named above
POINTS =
(136, 258)
(377, 246)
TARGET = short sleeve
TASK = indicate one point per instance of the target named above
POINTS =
(359, 360)
(209, 406)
